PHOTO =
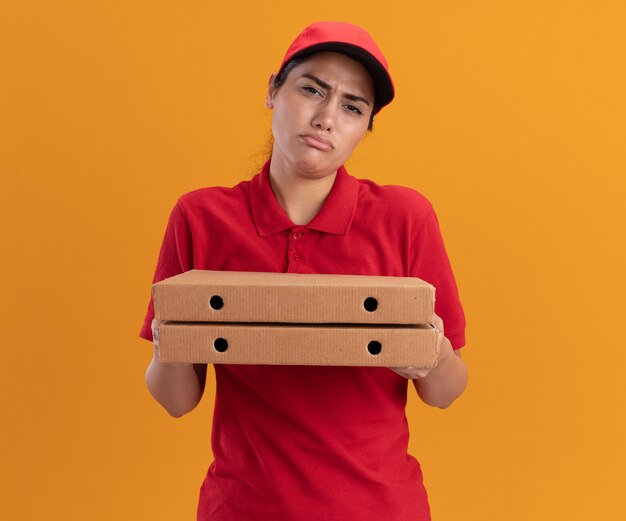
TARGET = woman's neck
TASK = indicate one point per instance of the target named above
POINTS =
(300, 196)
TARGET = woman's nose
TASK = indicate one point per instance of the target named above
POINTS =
(324, 118)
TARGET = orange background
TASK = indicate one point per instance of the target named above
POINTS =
(510, 117)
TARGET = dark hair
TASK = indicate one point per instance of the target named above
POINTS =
(281, 77)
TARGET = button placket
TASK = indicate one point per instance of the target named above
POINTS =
(293, 252)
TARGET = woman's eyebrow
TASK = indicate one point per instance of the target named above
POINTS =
(324, 85)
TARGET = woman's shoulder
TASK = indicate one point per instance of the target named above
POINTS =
(215, 197)
(394, 197)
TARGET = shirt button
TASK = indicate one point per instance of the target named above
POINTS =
(296, 258)
(297, 235)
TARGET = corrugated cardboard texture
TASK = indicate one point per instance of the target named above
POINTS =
(226, 296)
(298, 344)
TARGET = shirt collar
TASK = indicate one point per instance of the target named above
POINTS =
(334, 217)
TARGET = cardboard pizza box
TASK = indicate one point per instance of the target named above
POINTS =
(229, 296)
(337, 345)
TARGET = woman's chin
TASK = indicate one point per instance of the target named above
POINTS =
(309, 163)
(314, 168)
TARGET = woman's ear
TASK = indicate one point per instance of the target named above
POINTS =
(269, 102)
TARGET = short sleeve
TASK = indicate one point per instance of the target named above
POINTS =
(176, 256)
(430, 263)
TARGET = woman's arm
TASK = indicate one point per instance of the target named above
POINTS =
(445, 383)
(177, 387)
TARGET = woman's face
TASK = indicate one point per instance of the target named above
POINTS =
(321, 113)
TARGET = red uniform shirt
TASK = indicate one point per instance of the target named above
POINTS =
(300, 442)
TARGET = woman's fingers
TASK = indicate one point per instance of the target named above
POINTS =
(155, 332)
(438, 323)
(411, 373)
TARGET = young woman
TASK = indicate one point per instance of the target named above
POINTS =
(301, 442)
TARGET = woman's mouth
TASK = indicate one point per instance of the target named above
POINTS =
(316, 142)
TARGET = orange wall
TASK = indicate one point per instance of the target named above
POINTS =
(509, 117)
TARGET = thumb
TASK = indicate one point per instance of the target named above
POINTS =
(155, 329)
(438, 323)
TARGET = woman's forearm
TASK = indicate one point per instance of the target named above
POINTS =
(444, 384)
(177, 387)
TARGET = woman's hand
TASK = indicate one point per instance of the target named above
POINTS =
(444, 351)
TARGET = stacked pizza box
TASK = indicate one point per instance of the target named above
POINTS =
(295, 319)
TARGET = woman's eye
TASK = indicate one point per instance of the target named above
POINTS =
(354, 109)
